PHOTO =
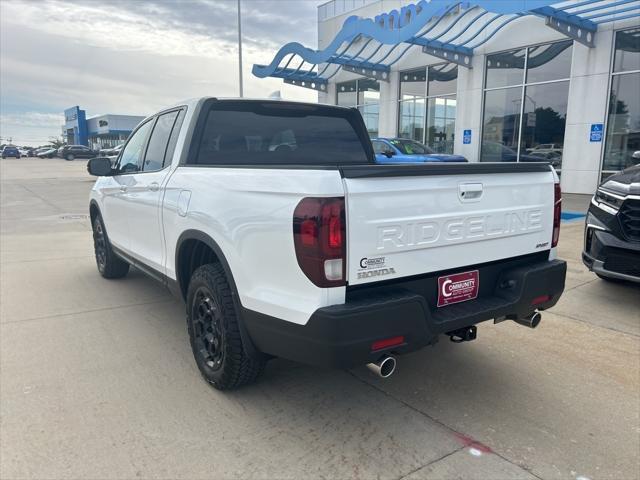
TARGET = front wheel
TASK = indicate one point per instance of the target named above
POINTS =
(109, 264)
(212, 322)
(69, 157)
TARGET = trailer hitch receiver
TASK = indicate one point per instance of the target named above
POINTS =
(465, 334)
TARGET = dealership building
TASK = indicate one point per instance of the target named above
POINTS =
(493, 80)
(102, 131)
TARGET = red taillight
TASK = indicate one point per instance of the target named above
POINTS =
(386, 343)
(319, 239)
(540, 299)
(557, 210)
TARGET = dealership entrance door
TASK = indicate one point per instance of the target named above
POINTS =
(70, 137)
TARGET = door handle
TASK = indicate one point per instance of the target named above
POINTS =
(123, 188)
(154, 186)
(470, 192)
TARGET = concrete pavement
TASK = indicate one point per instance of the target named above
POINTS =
(97, 378)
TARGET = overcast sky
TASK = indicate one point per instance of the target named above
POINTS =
(134, 56)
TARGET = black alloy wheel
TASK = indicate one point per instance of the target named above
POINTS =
(208, 329)
(109, 264)
(100, 246)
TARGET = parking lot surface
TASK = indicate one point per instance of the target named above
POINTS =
(97, 378)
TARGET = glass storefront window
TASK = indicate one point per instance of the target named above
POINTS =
(347, 93)
(622, 143)
(532, 130)
(443, 80)
(412, 117)
(627, 53)
(543, 123)
(413, 84)
(370, 113)
(364, 94)
(441, 123)
(427, 107)
(623, 123)
(506, 68)
(368, 91)
(501, 126)
(549, 62)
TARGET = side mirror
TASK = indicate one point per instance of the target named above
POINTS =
(100, 167)
(636, 155)
(389, 153)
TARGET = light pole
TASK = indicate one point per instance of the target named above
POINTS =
(240, 49)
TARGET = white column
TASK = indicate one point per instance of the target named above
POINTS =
(587, 104)
(388, 119)
(469, 109)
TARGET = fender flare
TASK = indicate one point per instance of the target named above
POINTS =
(249, 347)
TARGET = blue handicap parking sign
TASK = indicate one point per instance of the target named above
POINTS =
(466, 137)
(596, 132)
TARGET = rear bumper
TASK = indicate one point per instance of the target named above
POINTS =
(341, 336)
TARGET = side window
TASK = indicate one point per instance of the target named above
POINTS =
(173, 140)
(131, 158)
(158, 142)
(378, 147)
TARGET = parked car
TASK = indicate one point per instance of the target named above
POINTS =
(313, 252)
(402, 150)
(612, 229)
(69, 152)
(497, 152)
(47, 153)
(10, 151)
(111, 152)
(546, 148)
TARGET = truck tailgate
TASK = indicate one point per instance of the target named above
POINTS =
(405, 220)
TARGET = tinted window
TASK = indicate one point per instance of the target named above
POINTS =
(347, 94)
(549, 62)
(409, 147)
(131, 158)
(443, 79)
(168, 156)
(505, 68)
(413, 84)
(543, 122)
(379, 147)
(154, 159)
(280, 133)
(623, 125)
(627, 56)
(501, 125)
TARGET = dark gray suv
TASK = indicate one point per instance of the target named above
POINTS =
(69, 152)
(612, 231)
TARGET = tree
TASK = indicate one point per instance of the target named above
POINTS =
(56, 142)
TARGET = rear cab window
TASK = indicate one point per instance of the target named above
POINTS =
(279, 133)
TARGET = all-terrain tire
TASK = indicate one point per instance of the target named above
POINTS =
(214, 333)
(109, 264)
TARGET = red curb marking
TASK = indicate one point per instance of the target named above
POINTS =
(470, 442)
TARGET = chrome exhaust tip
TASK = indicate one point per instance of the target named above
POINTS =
(384, 367)
(532, 321)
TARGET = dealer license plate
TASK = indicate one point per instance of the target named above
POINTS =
(458, 287)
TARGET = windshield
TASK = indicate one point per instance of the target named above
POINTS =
(410, 147)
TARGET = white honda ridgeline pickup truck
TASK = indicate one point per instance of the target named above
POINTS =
(272, 221)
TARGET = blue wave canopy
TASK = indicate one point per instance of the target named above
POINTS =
(403, 30)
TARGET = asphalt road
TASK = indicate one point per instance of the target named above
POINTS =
(97, 378)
